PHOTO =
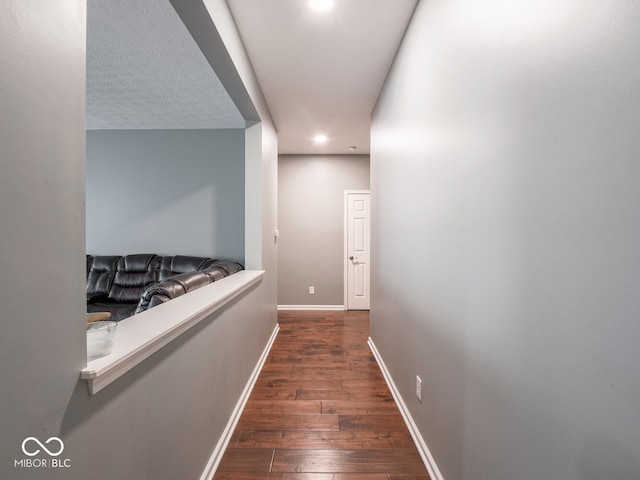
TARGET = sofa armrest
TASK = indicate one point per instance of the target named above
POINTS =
(228, 266)
(171, 288)
(222, 268)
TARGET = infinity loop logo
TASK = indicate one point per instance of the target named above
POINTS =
(31, 453)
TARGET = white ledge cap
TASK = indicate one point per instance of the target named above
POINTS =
(142, 335)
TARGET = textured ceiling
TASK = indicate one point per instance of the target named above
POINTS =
(144, 71)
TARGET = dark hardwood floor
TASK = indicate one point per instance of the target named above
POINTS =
(321, 410)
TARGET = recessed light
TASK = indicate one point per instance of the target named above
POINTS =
(352, 149)
(321, 5)
(320, 138)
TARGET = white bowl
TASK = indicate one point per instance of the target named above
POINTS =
(100, 337)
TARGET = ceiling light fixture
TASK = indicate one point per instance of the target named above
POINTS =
(320, 139)
(352, 149)
(321, 6)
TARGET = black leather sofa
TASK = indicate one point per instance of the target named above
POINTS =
(130, 284)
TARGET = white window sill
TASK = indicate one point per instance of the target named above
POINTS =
(142, 335)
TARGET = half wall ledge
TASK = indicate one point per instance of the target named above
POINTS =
(140, 336)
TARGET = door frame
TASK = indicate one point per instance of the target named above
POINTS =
(345, 254)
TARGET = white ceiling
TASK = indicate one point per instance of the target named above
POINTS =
(321, 73)
(144, 71)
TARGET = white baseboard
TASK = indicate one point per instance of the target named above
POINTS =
(425, 454)
(223, 442)
(311, 307)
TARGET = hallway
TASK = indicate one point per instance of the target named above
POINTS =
(321, 410)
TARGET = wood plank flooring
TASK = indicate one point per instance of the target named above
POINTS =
(321, 410)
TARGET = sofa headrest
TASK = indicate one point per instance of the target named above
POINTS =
(134, 273)
(139, 262)
(101, 273)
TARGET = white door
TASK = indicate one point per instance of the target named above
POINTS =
(357, 239)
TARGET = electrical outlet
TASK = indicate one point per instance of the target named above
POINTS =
(419, 388)
(312, 290)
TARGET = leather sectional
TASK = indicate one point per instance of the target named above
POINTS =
(130, 284)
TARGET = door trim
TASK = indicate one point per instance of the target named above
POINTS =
(345, 230)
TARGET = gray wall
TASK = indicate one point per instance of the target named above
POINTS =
(166, 191)
(506, 236)
(261, 139)
(162, 419)
(311, 215)
(42, 303)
